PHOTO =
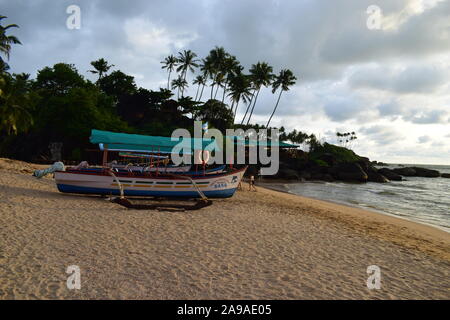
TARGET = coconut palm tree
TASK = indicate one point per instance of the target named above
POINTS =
(169, 63)
(231, 67)
(186, 62)
(200, 80)
(284, 80)
(215, 62)
(15, 101)
(101, 67)
(240, 89)
(180, 84)
(219, 82)
(205, 69)
(262, 76)
(7, 40)
(252, 87)
(4, 67)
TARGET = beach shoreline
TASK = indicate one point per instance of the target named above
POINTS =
(279, 186)
(433, 233)
(255, 245)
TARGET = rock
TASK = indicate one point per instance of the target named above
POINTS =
(305, 175)
(288, 174)
(329, 158)
(322, 177)
(390, 174)
(364, 163)
(379, 163)
(327, 177)
(417, 172)
(445, 175)
(428, 173)
(376, 177)
(406, 171)
(351, 172)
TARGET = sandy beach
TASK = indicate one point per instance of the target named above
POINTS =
(256, 245)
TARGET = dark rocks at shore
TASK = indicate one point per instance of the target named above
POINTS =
(350, 172)
(374, 175)
(406, 171)
(445, 175)
(288, 174)
(417, 172)
(322, 176)
(390, 174)
(427, 173)
(379, 163)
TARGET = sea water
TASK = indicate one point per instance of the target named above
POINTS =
(425, 200)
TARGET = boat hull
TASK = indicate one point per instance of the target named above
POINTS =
(213, 186)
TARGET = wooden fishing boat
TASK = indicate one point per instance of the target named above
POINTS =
(156, 181)
(106, 182)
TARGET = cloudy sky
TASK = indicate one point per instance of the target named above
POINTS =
(386, 79)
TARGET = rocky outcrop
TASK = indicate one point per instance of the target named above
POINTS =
(390, 174)
(445, 175)
(406, 171)
(322, 176)
(351, 172)
(305, 175)
(375, 176)
(428, 173)
(288, 174)
(417, 172)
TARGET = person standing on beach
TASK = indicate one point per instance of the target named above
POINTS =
(251, 184)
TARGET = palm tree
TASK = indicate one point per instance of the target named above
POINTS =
(5, 40)
(230, 68)
(240, 89)
(4, 67)
(169, 63)
(201, 81)
(15, 101)
(214, 63)
(284, 80)
(262, 76)
(101, 67)
(187, 62)
(252, 87)
(219, 82)
(180, 84)
(205, 68)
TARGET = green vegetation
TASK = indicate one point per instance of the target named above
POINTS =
(61, 105)
(340, 154)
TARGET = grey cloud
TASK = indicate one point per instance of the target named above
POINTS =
(424, 139)
(382, 134)
(419, 36)
(413, 79)
(428, 117)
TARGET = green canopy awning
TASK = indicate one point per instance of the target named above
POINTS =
(135, 142)
(248, 142)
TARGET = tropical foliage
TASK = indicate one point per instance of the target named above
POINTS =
(62, 105)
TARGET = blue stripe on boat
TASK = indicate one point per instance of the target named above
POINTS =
(66, 188)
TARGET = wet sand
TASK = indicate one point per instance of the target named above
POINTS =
(256, 245)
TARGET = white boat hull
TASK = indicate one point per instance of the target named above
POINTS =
(213, 186)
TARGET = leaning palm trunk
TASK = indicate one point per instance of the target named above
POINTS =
(217, 89)
(184, 78)
(201, 93)
(235, 111)
(253, 108)
(196, 94)
(168, 80)
(248, 107)
(224, 91)
(275, 109)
